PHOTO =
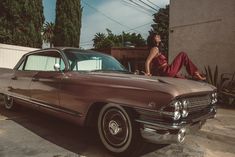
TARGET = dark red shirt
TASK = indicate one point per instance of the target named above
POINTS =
(159, 60)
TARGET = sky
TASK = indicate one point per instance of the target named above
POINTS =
(116, 15)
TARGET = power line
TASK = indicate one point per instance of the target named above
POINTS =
(110, 18)
(142, 7)
(148, 5)
(136, 7)
(104, 14)
(153, 4)
(139, 26)
(85, 41)
(88, 42)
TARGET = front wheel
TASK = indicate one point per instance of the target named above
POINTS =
(9, 102)
(117, 130)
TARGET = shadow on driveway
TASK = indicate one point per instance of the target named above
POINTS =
(64, 134)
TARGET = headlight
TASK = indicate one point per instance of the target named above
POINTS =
(177, 115)
(177, 106)
(214, 98)
(185, 104)
(213, 95)
(177, 109)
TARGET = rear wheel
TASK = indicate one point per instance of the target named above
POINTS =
(117, 130)
(9, 102)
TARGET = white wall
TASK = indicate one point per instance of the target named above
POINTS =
(11, 54)
(205, 29)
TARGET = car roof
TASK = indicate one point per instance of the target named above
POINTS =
(64, 50)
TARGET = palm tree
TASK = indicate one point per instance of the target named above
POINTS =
(99, 38)
(48, 32)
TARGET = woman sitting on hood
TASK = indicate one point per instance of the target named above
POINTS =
(160, 62)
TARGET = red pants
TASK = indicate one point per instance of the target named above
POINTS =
(180, 60)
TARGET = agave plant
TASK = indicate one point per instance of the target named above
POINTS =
(228, 91)
(213, 77)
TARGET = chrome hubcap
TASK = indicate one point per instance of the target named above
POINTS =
(114, 128)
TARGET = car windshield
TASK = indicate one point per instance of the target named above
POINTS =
(92, 61)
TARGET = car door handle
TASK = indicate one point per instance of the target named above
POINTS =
(35, 79)
(14, 78)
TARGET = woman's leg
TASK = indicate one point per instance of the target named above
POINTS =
(180, 60)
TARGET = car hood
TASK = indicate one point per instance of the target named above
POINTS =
(173, 86)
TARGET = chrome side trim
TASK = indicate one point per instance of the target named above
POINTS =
(50, 107)
(157, 112)
(162, 126)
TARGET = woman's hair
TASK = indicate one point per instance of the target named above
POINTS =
(152, 43)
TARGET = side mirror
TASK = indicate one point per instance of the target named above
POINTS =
(57, 67)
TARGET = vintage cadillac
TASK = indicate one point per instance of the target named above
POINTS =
(94, 89)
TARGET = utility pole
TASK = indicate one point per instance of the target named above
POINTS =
(122, 39)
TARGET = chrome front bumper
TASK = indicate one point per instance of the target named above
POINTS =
(158, 136)
(166, 134)
(152, 136)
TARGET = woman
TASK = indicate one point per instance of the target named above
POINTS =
(160, 61)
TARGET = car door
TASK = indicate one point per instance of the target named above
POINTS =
(20, 81)
(45, 84)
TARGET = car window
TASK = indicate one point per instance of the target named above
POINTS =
(21, 65)
(44, 61)
(90, 64)
(84, 61)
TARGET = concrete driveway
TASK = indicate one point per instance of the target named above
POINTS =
(29, 133)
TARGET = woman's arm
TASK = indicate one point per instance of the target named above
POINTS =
(153, 52)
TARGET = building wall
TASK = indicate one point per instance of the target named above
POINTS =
(10, 54)
(205, 29)
(130, 53)
(133, 58)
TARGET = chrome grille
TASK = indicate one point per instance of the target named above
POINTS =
(199, 102)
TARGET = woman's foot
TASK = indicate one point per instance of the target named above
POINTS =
(198, 76)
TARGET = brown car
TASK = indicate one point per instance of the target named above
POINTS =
(94, 89)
